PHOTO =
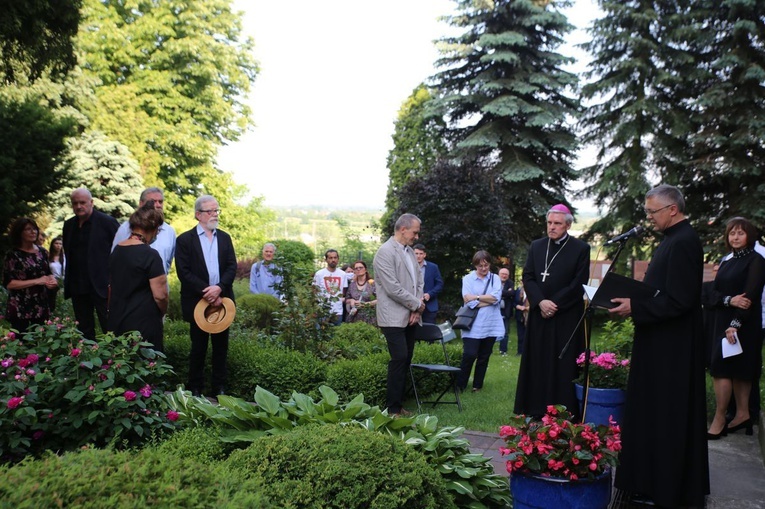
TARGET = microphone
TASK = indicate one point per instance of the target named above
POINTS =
(627, 235)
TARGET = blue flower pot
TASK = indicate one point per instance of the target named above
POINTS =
(537, 492)
(602, 403)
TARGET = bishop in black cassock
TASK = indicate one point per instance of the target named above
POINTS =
(556, 268)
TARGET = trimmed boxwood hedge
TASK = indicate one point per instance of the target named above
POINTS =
(336, 466)
(97, 478)
(358, 364)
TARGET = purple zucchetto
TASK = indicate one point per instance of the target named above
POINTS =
(560, 208)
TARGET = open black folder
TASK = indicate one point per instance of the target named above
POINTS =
(615, 285)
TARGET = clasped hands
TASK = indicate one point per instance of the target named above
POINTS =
(212, 295)
(548, 308)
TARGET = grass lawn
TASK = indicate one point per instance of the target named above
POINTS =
(490, 408)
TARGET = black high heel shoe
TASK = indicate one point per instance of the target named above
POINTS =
(718, 436)
(747, 424)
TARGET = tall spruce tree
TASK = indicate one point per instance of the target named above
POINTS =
(725, 176)
(637, 115)
(508, 101)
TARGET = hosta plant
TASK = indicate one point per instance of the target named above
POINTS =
(470, 478)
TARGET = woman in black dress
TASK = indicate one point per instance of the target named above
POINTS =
(27, 277)
(138, 284)
(737, 317)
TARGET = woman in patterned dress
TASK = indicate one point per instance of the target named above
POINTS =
(27, 277)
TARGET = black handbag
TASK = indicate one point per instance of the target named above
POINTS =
(466, 315)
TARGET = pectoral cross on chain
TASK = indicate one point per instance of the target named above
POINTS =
(544, 275)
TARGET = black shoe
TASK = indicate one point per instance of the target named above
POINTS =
(747, 424)
(718, 436)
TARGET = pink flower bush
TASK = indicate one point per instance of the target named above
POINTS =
(75, 352)
(607, 370)
(146, 391)
(172, 415)
(130, 396)
(557, 447)
(14, 402)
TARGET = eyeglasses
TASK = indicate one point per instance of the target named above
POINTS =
(650, 212)
(211, 211)
(359, 268)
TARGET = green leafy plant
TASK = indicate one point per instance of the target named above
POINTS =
(617, 336)
(60, 391)
(469, 477)
(555, 446)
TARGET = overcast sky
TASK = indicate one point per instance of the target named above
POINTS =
(332, 79)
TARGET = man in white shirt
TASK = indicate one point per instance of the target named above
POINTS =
(331, 283)
(164, 243)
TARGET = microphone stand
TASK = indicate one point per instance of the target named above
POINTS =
(587, 319)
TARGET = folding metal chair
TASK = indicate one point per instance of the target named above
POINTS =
(431, 333)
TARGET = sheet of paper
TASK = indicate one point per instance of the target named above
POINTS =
(590, 291)
(729, 350)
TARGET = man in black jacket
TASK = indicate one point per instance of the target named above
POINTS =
(87, 244)
(206, 266)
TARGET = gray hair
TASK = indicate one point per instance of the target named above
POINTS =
(668, 194)
(269, 244)
(568, 217)
(82, 190)
(406, 221)
(202, 200)
(151, 190)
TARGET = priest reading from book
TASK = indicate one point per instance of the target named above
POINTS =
(664, 445)
(556, 268)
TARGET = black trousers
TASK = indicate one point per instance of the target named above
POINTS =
(475, 351)
(401, 348)
(84, 306)
(199, 340)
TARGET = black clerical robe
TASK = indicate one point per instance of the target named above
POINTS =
(557, 275)
(664, 455)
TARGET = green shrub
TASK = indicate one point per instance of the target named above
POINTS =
(250, 363)
(470, 478)
(96, 478)
(337, 466)
(174, 301)
(177, 346)
(256, 311)
(354, 340)
(367, 376)
(201, 443)
(278, 370)
(62, 391)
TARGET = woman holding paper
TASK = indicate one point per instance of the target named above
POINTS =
(737, 322)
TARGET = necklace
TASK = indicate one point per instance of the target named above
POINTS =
(547, 253)
(741, 252)
(138, 236)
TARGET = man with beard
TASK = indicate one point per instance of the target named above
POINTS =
(206, 266)
(331, 283)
